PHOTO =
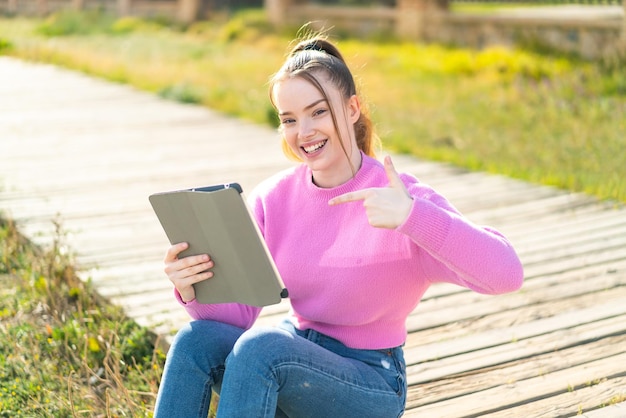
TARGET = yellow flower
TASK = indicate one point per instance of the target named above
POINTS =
(93, 344)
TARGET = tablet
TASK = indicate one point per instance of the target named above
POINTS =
(215, 220)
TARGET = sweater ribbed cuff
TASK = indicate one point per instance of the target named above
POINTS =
(427, 225)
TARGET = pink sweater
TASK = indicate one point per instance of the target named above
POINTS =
(357, 283)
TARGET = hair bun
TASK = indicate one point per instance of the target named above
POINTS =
(317, 43)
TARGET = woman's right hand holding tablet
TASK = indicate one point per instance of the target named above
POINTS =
(185, 272)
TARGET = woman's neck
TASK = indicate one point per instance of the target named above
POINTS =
(341, 175)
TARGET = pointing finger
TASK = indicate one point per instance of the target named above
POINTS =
(349, 197)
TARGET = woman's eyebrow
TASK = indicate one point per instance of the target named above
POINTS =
(315, 103)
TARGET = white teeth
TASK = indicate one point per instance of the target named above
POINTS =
(314, 148)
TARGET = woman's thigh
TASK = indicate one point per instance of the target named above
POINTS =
(315, 376)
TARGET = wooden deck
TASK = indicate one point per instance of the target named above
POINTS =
(88, 153)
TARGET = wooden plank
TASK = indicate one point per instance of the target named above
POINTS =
(505, 325)
(491, 356)
(613, 411)
(594, 241)
(555, 223)
(467, 305)
(529, 209)
(441, 290)
(506, 375)
(580, 400)
(604, 256)
(501, 397)
(491, 338)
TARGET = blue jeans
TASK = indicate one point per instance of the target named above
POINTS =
(277, 372)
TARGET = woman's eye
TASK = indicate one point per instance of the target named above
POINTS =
(319, 112)
(287, 121)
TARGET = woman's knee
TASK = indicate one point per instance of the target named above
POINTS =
(190, 336)
(265, 344)
(203, 338)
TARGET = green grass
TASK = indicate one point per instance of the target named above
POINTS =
(64, 352)
(528, 114)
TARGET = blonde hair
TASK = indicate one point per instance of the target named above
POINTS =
(315, 55)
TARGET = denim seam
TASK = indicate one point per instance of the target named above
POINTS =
(205, 404)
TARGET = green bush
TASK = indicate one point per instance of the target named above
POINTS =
(70, 22)
(127, 25)
(181, 92)
(5, 45)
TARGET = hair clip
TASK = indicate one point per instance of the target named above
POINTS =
(313, 46)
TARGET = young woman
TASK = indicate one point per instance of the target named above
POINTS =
(357, 245)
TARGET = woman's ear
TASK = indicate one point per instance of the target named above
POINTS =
(354, 108)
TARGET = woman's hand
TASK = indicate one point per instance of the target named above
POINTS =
(386, 207)
(184, 272)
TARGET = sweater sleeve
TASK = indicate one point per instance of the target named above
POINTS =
(239, 315)
(456, 250)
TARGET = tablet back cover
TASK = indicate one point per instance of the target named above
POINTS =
(219, 223)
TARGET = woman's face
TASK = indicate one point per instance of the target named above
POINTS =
(308, 129)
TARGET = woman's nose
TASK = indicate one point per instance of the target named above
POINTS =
(306, 129)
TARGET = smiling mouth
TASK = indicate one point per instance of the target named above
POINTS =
(312, 148)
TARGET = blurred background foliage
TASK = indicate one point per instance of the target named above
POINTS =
(525, 112)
